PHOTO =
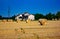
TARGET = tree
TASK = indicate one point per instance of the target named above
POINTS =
(49, 16)
(53, 16)
(38, 16)
(0, 17)
(58, 15)
(13, 17)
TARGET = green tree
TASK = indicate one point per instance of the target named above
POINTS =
(0, 17)
(13, 17)
(49, 16)
(38, 16)
(53, 16)
(58, 15)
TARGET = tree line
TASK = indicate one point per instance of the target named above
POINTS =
(48, 16)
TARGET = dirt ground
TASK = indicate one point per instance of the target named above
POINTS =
(31, 30)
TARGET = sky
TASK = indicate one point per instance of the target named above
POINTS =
(31, 6)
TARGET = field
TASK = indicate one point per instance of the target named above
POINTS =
(31, 30)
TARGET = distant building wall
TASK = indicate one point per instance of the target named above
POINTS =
(31, 17)
(19, 17)
(26, 16)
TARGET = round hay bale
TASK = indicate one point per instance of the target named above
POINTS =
(18, 20)
(59, 18)
(55, 19)
(4, 20)
(28, 21)
(43, 21)
(0, 20)
(10, 20)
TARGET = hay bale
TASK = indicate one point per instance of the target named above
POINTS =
(28, 21)
(0, 20)
(59, 18)
(55, 19)
(10, 20)
(43, 21)
(18, 20)
(4, 20)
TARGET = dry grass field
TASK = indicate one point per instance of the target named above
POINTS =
(31, 30)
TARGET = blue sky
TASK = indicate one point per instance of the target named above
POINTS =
(31, 6)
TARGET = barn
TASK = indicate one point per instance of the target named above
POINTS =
(25, 16)
(31, 17)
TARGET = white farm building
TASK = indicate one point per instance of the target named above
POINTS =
(31, 17)
(25, 16)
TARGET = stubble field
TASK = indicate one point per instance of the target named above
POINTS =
(31, 30)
